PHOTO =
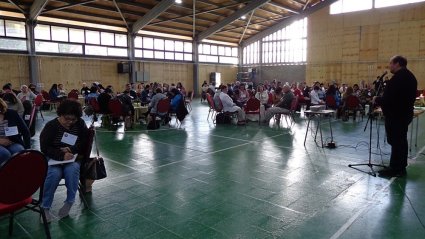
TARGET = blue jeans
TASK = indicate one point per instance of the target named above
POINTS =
(71, 173)
(7, 151)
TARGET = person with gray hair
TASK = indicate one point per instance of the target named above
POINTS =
(26, 94)
(284, 105)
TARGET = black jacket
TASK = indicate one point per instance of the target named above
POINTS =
(51, 135)
(399, 96)
(13, 119)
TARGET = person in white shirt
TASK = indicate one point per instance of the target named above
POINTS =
(262, 95)
(26, 94)
(229, 106)
(314, 96)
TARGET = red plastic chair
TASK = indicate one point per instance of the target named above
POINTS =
(270, 100)
(94, 104)
(352, 105)
(117, 114)
(73, 95)
(48, 101)
(252, 107)
(330, 102)
(38, 102)
(20, 177)
(115, 107)
(163, 109)
(211, 110)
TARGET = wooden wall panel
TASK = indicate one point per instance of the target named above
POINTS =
(164, 72)
(369, 41)
(72, 72)
(351, 44)
(360, 44)
(14, 70)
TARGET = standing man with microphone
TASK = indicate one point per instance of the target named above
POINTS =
(397, 106)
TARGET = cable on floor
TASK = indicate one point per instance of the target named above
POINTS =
(411, 205)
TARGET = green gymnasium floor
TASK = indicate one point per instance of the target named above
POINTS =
(208, 181)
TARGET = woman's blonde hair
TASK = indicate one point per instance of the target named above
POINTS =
(3, 106)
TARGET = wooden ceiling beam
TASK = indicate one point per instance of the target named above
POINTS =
(50, 9)
(228, 20)
(151, 15)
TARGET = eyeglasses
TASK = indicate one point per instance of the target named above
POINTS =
(70, 118)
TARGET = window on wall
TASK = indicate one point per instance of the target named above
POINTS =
(251, 54)
(162, 49)
(343, 6)
(389, 3)
(212, 53)
(65, 40)
(12, 35)
(286, 46)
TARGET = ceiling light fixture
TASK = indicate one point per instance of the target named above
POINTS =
(243, 17)
(179, 1)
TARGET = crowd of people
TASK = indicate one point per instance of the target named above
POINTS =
(64, 137)
(276, 97)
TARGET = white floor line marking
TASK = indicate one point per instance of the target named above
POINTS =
(350, 221)
(251, 141)
(107, 159)
(274, 204)
(203, 155)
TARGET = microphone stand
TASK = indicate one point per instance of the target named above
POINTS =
(370, 122)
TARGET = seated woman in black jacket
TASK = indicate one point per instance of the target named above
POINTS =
(61, 139)
(14, 133)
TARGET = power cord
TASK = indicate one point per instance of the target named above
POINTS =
(411, 205)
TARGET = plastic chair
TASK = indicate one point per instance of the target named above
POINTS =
(188, 100)
(20, 177)
(116, 109)
(38, 102)
(352, 106)
(211, 110)
(253, 108)
(48, 101)
(162, 110)
(73, 95)
(330, 102)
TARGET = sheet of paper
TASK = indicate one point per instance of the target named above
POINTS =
(69, 139)
(10, 131)
(55, 162)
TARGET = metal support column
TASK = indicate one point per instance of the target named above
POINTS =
(240, 57)
(195, 68)
(260, 61)
(131, 57)
(32, 57)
